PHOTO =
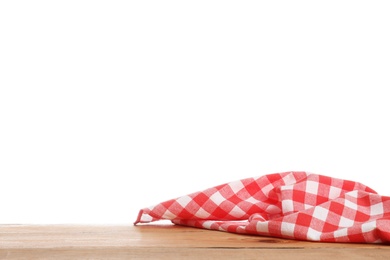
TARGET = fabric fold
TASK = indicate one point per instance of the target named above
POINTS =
(292, 205)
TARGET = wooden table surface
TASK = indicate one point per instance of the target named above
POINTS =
(164, 242)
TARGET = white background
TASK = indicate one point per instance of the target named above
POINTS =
(107, 107)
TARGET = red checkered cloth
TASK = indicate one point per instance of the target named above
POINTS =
(293, 205)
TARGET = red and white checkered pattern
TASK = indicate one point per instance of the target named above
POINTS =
(294, 205)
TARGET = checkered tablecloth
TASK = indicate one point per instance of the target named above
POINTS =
(293, 205)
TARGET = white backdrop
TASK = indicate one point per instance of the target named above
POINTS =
(107, 107)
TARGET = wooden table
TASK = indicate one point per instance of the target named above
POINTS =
(165, 242)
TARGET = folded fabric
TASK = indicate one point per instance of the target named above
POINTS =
(292, 205)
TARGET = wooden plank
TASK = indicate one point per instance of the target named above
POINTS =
(194, 253)
(164, 242)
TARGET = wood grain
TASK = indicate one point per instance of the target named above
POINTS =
(164, 242)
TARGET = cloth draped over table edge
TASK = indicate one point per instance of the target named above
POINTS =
(293, 205)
